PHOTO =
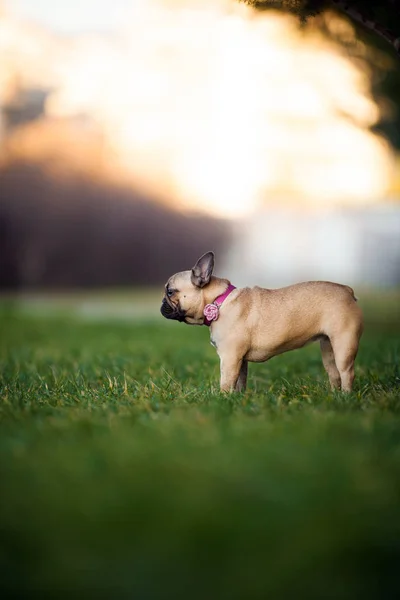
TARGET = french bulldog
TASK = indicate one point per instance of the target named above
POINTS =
(255, 324)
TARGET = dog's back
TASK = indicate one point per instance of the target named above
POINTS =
(283, 319)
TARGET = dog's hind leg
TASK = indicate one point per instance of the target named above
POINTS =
(345, 348)
(328, 360)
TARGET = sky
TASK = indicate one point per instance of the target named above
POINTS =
(73, 16)
(202, 102)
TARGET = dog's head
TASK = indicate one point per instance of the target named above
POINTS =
(184, 292)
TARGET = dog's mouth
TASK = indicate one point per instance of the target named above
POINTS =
(172, 312)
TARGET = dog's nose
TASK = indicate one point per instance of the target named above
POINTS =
(166, 309)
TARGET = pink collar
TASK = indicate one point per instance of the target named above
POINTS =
(211, 311)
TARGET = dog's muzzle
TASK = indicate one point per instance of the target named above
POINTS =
(172, 312)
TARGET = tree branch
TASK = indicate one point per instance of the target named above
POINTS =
(368, 23)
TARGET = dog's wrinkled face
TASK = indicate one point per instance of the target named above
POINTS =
(183, 299)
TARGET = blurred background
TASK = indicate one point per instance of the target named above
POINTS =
(136, 135)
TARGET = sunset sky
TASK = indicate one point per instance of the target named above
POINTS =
(73, 16)
(206, 104)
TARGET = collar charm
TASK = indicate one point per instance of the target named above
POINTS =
(211, 311)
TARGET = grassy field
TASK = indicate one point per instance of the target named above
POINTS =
(124, 473)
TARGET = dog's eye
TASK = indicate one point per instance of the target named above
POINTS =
(169, 292)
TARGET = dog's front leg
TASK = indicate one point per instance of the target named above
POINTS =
(242, 379)
(231, 369)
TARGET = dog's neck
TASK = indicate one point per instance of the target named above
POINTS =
(215, 288)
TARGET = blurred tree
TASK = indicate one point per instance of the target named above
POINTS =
(382, 17)
(377, 27)
(81, 232)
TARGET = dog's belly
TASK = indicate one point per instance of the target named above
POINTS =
(258, 355)
(261, 354)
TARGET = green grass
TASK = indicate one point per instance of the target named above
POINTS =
(124, 473)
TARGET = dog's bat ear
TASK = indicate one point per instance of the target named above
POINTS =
(202, 270)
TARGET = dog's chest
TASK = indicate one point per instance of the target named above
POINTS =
(216, 335)
(212, 341)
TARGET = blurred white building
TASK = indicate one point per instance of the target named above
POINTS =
(353, 246)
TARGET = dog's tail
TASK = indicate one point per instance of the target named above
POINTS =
(349, 289)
